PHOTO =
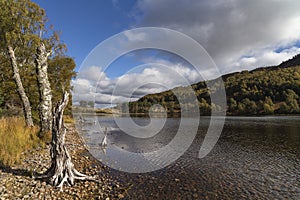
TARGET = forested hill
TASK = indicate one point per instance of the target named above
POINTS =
(291, 62)
(263, 91)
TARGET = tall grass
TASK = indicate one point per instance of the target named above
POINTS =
(15, 138)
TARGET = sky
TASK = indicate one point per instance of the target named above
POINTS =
(237, 35)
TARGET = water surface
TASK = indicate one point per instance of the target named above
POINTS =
(255, 158)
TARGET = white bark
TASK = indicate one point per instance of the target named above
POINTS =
(45, 107)
(20, 88)
(62, 169)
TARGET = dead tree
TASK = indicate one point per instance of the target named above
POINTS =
(20, 88)
(45, 107)
(62, 169)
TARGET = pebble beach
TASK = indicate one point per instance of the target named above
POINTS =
(18, 182)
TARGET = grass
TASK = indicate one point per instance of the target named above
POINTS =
(68, 119)
(16, 138)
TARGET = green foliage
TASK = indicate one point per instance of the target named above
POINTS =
(264, 91)
(61, 71)
(91, 104)
(83, 103)
(23, 26)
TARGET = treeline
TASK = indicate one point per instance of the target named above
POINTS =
(264, 91)
(24, 27)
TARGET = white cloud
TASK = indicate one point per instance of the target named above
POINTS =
(135, 37)
(265, 58)
(230, 30)
(152, 78)
(93, 73)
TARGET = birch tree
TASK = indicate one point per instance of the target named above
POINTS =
(20, 88)
(20, 22)
(45, 107)
(25, 50)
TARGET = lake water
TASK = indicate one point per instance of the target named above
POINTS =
(255, 158)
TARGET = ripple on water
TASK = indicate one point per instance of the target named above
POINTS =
(254, 158)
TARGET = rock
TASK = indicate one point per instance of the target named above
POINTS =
(42, 190)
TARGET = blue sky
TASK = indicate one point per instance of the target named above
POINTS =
(238, 35)
(84, 24)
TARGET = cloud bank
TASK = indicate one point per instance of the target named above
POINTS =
(238, 35)
(94, 85)
(231, 30)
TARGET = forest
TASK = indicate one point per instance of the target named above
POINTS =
(263, 91)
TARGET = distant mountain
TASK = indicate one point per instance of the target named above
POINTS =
(263, 91)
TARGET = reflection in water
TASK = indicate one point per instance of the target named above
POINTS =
(255, 157)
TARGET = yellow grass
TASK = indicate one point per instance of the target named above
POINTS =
(15, 138)
(68, 119)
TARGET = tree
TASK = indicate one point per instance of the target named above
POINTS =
(83, 103)
(22, 27)
(232, 105)
(19, 24)
(291, 100)
(91, 104)
(268, 109)
(62, 169)
(20, 88)
(60, 72)
(241, 108)
(268, 106)
(284, 108)
(45, 108)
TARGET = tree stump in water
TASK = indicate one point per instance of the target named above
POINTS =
(62, 169)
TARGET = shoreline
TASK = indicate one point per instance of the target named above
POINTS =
(17, 181)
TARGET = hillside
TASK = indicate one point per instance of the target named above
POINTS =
(263, 91)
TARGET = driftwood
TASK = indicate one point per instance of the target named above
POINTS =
(62, 169)
(104, 140)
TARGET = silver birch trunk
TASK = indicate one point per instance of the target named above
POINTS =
(62, 169)
(45, 107)
(20, 88)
